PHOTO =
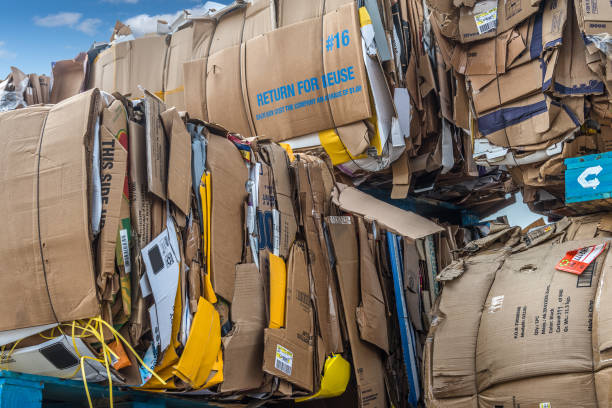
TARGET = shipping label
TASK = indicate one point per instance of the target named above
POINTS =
(284, 359)
(486, 21)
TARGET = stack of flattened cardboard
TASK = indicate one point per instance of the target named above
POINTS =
(187, 259)
(535, 76)
(522, 320)
(19, 90)
(370, 87)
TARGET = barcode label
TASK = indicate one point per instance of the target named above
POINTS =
(544, 404)
(486, 21)
(284, 359)
(339, 219)
(125, 250)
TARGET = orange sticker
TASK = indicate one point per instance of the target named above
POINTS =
(578, 260)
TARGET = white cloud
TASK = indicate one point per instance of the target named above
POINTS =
(58, 20)
(4, 53)
(145, 23)
(89, 26)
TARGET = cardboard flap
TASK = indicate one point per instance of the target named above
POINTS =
(243, 359)
(371, 312)
(354, 137)
(228, 179)
(402, 222)
(179, 163)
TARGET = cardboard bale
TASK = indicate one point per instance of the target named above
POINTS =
(531, 341)
(293, 99)
(48, 239)
(554, 309)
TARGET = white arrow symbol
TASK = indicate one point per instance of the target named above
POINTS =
(591, 171)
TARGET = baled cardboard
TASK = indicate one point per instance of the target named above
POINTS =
(228, 178)
(292, 99)
(367, 361)
(47, 240)
(244, 347)
(552, 334)
(140, 202)
(288, 352)
(453, 367)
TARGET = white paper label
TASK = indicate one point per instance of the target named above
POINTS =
(284, 359)
(125, 250)
(486, 21)
(496, 303)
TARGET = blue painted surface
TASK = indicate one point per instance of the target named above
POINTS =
(588, 178)
(406, 330)
(33, 391)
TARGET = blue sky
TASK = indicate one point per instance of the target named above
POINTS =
(35, 33)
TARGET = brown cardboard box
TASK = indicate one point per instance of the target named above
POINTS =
(367, 360)
(228, 178)
(157, 146)
(68, 77)
(47, 239)
(288, 352)
(594, 17)
(244, 346)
